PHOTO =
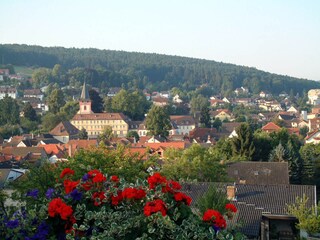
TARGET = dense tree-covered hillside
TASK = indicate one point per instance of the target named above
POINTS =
(108, 68)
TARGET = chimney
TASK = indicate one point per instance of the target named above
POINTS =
(70, 150)
(231, 192)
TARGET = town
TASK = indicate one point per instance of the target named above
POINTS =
(261, 148)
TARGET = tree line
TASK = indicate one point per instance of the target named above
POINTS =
(106, 68)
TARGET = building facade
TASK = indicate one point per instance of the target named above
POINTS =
(96, 123)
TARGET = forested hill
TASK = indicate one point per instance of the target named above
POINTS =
(153, 71)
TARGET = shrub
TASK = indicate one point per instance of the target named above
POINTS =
(99, 206)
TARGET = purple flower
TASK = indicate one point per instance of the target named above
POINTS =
(49, 193)
(33, 193)
(13, 223)
(85, 177)
(76, 195)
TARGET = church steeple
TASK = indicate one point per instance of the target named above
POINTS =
(85, 102)
(85, 92)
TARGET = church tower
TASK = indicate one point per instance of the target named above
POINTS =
(85, 102)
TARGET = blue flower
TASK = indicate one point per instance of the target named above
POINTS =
(33, 193)
(76, 195)
(13, 223)
(49, 193)
(85, 177)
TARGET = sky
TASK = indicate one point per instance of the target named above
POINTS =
(278, 36)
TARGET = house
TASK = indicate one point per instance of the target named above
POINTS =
(201, 135)
(142, 129)
(75, 145)
(314, 124)
(243, 101)
(263, 173)
(184, 124)
(33, 93)
(292, 109)
(241, 90)
(4, 72)
(26, 154)
(222, 114)
(165, 94)
(264, 94)
(64, 131)
(262, 209)
(113, 91)
(216, 103)
(10, 91)
(160, 101)
(271, 127)
(55, 152)
(314, 96)
(313, 137)
(177, 99)
(9, 175)
(95, 123)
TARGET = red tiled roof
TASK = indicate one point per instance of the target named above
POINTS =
(271, 127)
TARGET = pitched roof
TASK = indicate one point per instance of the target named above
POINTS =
(182, 119)
(201, 134)
(100, 116)
(22, 151)
(254, 200)
(270, 126)
(84, 92)
(64, 129)
(259, 172)
(83, 143)
(177, 145)
(35, 91)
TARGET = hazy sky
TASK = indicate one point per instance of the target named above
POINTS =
(279, 36)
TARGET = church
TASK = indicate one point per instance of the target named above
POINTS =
(95, 123)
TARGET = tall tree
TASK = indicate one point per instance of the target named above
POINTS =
(9, 111)
(83, 134)
(205, 117)
(242, 145)
(197, 103)
(158, 121)
(29, 112)
(56, 101)
(96, 101)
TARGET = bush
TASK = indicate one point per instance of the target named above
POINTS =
(98, 206)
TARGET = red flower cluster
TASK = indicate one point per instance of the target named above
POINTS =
(215, 217)
(155, 206)
(156, 179)
(232, 208)
(58, 207)
(115, 200)
(66, 171)
(181, 197)
(114, 178)
(171, 186)
(97, 176)
(98, 198)
(70, 185)
(133, 193)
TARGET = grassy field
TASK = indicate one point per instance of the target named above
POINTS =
(23, 70)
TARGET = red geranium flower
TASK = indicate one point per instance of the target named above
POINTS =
(98, 198)
(115, 200)
(58, 207)
(99, 177)
(114, 178)
(66, 171)
(70, 185)
(214, 217)
(181, 197)
(155, 206)
(133, 193)
(232, 208)
(155, 180)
